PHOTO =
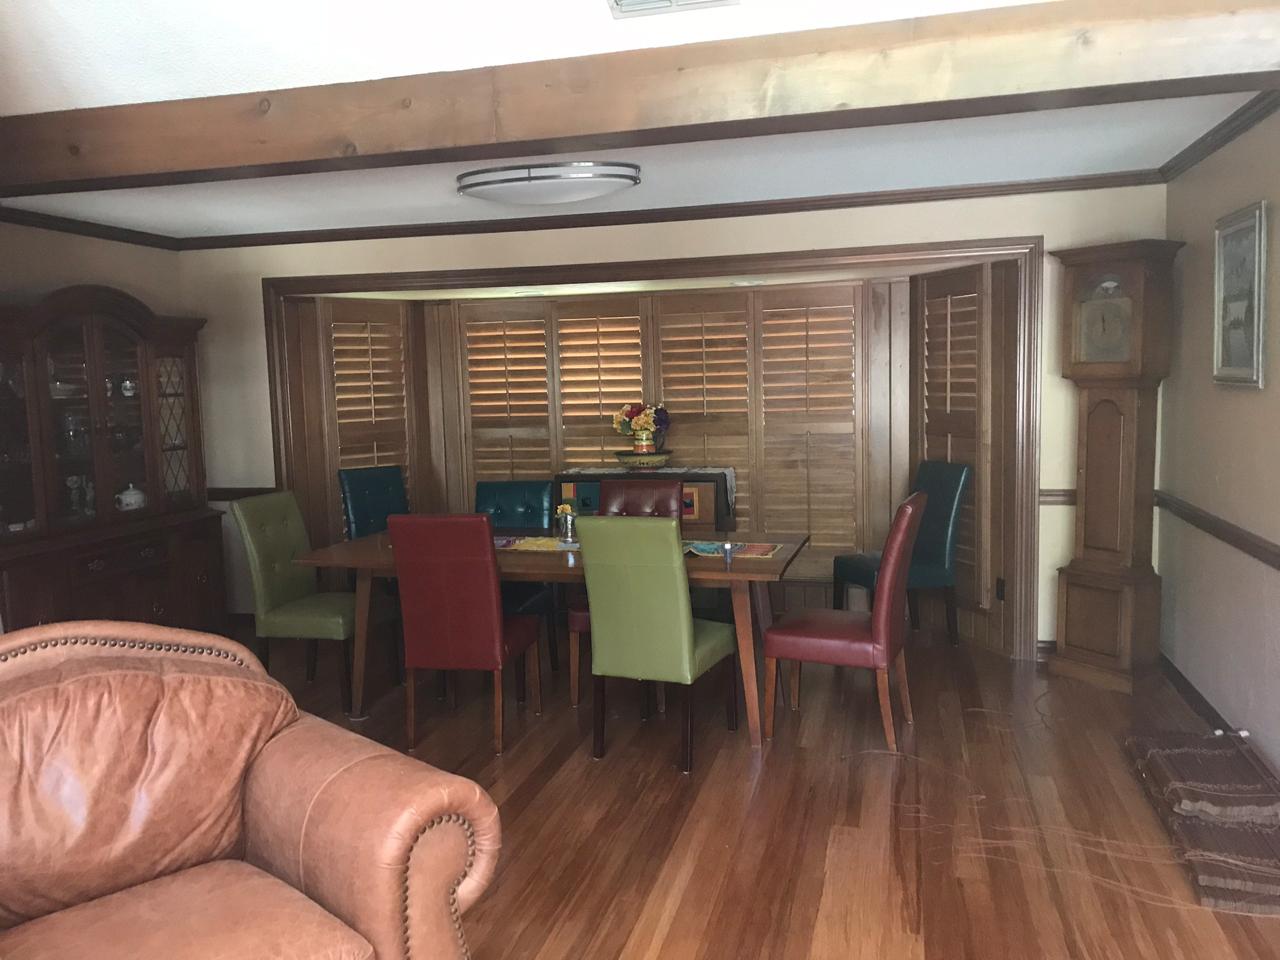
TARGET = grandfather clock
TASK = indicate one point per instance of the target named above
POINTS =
(1118, 303)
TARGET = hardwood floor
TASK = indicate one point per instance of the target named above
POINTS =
(1010, 827)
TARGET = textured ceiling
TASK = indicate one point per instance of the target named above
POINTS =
(1015, 147)
(64, 54)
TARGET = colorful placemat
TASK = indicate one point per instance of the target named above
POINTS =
(714, 548)
(532, 544)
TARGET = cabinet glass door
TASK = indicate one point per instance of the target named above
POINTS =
(123, 429)
(17, 476)
(73, 478)
(173, 401)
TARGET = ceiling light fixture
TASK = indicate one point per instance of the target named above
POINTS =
(539, 183)
(640, 8)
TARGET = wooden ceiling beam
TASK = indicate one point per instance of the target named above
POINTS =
(1073, 52)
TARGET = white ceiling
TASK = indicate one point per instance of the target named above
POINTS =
(64, 54)
(1014, 147)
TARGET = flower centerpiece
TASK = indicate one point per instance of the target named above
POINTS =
(644, 424)
(565, 518)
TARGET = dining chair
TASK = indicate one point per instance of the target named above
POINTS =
(618, 498)
(369, 496)
(452, 609)
(845, 638)
(523, 505)
(287, 600)
(933, 563)
(643, 626)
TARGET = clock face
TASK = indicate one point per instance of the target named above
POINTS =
(1104, 319)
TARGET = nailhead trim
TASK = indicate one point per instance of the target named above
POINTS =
(131, 644)
(454, 913)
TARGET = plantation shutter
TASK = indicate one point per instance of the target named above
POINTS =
(703, 368)
(369, 341)
(507, 389)
(954, 359)
(809, 378)
(600, 369)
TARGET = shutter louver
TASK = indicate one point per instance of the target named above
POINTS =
(703, 342)
(809, 374)
(951, 357)
(370, 396)
(600, 369)
(507, 391)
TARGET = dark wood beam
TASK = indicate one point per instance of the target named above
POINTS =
(1247, 117)
(1075, 52)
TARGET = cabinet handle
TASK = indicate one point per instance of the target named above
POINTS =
(96, 566)
(202, 579)
(147, 553)
(158, 608)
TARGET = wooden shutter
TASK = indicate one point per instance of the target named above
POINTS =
(369, 340)
(704, 368)
(507, 389)
(809, 358)
(599, 368)
(955, 408)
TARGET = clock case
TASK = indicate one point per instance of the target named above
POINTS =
(1109, 594)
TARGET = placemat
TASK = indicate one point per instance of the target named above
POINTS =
(714, 548)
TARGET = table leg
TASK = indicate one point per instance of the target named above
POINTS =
(364, 591)
(742, 621)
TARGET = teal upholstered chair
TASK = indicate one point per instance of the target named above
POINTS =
(642, 625)
(369, 496)
(287, 601)
(933, 562)
(523, 505)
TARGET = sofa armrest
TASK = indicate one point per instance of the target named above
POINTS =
(394, 848)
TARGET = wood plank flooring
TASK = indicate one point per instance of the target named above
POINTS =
(1010, 827)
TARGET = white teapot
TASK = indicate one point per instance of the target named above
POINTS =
(131, 498)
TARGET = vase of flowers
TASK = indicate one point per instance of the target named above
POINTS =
(645, 424)
(566, 520)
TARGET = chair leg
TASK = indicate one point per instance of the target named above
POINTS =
(575, 665)
(264, 653)
(597, 718)
(731, 701)
(313, 656)
(793, 671)
(410, 717)
(913, 608)
(770, 694)
(553, 638)
(886, 709)
(522, 677)
(646, 699)
(442, 684)
(660, 691)
(686, 727)
(953, 626)
(838, 590)
(900, 672)
(395, 649)
(497, 711)
(348, 654)
(533, 679)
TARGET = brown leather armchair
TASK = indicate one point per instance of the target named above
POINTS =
(161, 796)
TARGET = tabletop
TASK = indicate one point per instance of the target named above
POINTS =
(373, 553)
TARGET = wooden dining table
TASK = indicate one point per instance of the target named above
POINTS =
(747, 579)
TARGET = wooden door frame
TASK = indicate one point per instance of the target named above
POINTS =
(1022, 568)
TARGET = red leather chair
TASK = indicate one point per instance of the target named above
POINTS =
(618, 498)
(847, 639)
(452, 608)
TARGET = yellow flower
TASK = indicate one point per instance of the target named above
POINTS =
(644, 421)
(564, 510)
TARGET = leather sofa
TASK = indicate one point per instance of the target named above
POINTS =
(161, 796)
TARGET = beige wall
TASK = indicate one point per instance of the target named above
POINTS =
(226, 287)
(1220, 448)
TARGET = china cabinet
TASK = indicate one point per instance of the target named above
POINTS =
(102, 496)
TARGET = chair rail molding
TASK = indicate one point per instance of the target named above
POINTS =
(1246, 541)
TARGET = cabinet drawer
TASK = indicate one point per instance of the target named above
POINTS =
(116, 558)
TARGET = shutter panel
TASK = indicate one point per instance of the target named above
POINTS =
(600, 369)
(809, 380)
(507, 395)
(703, 366)
(369, 342)
(954, 358)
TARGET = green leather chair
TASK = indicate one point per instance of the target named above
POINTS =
(642, 625)
(287, 601)
(933, 561)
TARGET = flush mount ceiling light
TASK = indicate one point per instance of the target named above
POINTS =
(640, 8)
(539, 183)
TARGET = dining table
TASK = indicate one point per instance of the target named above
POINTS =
(746, 577)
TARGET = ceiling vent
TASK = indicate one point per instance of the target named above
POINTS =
(643, 8)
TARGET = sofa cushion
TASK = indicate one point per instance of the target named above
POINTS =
(226, 910)
(118, 765)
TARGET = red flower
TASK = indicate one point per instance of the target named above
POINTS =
(635, 410)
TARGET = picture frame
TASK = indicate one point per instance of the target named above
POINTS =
(1239, 296)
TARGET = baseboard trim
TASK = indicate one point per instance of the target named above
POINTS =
(1193, 697)
(223, 494)
(1057, 498)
